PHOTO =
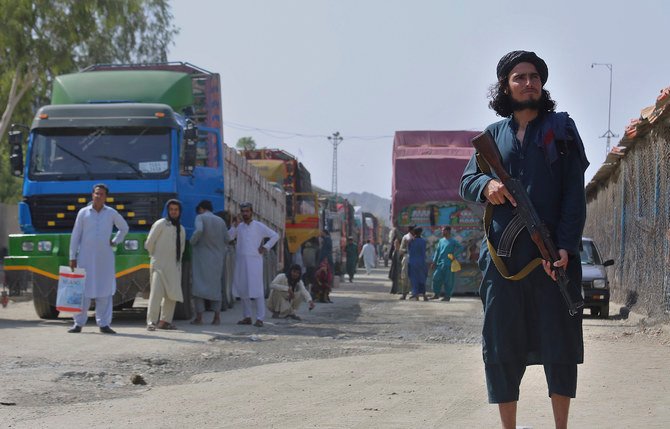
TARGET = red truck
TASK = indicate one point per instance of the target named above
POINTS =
(427, 168)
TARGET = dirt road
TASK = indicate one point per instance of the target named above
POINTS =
(366, 361)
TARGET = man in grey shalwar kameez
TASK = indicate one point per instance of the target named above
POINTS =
(208, 244)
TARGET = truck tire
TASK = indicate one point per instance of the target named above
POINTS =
(184, 310)
(41, 301)
(605, 312)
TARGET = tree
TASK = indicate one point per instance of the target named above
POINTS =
(41, 39)
(246, 143)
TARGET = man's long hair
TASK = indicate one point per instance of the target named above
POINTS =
(501, 102)
(289, 277)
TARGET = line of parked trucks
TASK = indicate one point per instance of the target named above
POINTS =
(151, 132)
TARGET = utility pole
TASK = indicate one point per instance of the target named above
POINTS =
(608, 134)
(335, 139)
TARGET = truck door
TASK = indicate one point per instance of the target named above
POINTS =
(205, 182)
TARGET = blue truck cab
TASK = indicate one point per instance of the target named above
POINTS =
(150, 133)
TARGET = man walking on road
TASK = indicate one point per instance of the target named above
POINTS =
(248, 278)
(165, 244)
(369, 256)
(208, 242)
(526, 321)
(351, 252)
(442, 275)
(91, 248)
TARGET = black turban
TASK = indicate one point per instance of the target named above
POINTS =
(510, 60)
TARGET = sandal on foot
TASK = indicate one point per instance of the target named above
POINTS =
(166, 326)
(195, 322)
(245, 321)
(151, 327)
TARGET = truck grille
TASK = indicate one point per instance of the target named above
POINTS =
(57, 213)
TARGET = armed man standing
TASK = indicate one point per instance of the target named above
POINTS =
(526, 320)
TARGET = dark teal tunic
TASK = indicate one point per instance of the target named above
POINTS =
(527, 321)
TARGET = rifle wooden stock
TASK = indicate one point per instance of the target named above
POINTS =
(486, 147)
(488, 150)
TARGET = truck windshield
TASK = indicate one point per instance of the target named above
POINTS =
(100, 153)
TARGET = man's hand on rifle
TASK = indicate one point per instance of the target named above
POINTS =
(563, 262)
(496, 193)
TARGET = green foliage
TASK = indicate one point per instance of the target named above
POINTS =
(41, 39)
(246, 143)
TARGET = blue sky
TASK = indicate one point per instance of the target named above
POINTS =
(368, 68)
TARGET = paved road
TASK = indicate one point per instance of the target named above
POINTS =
(366, 361)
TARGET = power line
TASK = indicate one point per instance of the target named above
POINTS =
(280, 134)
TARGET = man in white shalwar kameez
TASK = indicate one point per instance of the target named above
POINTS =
(91, 248)
(369, 255)
(165, 244)
(208, 242)
(249, 250)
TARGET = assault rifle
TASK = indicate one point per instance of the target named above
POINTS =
(526, 214)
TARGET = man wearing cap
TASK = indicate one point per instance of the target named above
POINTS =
(254, 239)
(526, 321)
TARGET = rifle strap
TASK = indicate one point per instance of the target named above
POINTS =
(488, 212)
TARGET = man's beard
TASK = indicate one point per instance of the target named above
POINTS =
(527, 104)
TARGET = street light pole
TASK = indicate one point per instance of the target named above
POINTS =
(335, 139)
(608, 134)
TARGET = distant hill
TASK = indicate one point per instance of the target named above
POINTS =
(380, 207)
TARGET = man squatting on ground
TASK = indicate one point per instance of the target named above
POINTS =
(526, 322)
(287, 292)
(248, 278)
(91, 249)
(165, 244)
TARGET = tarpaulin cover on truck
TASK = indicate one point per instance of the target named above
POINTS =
(427, 166)
(130, 86)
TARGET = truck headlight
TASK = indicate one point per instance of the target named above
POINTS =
(600, 284)
(27, 246)
(44, 246)
(131, 244)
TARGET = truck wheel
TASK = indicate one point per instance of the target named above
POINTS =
(41, 301)
(605, 312)
(184, 310)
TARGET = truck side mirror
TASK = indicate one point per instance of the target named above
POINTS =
(16, 156)
(190, 148)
